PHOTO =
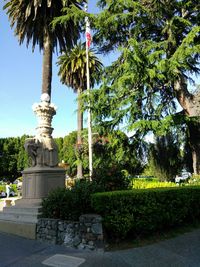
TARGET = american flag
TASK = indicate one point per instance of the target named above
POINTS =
(87, 33)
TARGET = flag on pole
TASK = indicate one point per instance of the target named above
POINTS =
(87, 33)
(88, 43)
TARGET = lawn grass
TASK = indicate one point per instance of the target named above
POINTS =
(154, 238)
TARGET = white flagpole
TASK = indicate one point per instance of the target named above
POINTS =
(88, 91)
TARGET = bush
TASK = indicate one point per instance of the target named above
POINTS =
(144, 184)
(194, 180)
(111, 178)
(13, 188)
(2, 188)
(141, 212)
(69, 204)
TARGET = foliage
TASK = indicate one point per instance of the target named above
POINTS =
(194, 180)
(13, 158)
(22, 158)
(13, 188)
(140, 183)
(158, 49)
(142, 212)
(115, 157)
(112, 178)
(72, 70)
(165, 159)
(69, 155)
(111, 152)
(152, 41)
(69, 204)
(59, 142)
(32, 21)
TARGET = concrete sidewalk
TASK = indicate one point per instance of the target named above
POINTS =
(183, 251)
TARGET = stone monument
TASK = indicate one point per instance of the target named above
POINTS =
(39, 179)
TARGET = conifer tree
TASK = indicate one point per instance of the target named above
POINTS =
(159, 43)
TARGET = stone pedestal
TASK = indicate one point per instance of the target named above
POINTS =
(38, 182)
(43, 176)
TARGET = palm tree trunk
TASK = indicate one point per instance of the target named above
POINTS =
(47, 67)
(79, 133)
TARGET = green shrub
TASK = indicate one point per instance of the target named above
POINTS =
(144, 184)
(13, 187)
(141, 212)
(2, 188)
(111, 178)
(69, 204)
(53, 206)
(194, 180)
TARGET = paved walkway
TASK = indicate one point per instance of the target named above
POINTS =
(182, 251)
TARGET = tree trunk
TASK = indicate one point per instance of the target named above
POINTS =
(194, 139)
(47, 67)
(191, 106)
(79, 134)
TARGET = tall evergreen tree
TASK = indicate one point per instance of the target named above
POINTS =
(160, 48)
(165, 160)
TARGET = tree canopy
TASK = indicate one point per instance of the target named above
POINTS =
(158, 43)
(13, 158)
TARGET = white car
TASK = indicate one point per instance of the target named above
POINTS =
(182, 177)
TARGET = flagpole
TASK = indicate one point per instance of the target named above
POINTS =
(88, 92)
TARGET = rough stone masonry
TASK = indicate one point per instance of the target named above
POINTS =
(87, 233)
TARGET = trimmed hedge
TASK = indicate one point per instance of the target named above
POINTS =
(140, 212)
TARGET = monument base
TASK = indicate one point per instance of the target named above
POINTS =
(27, 230)
(39, 181)
(22, 218)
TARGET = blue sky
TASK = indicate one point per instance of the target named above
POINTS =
(20, 86)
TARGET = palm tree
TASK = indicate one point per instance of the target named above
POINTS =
(32, 21)
(72, 73)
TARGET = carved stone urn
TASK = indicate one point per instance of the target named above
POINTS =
(44, 174)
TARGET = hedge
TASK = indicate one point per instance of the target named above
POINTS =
(140, 183)
(69, 204)
(139, 212)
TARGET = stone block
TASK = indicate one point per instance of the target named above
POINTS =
(76, 241)
(97, 229)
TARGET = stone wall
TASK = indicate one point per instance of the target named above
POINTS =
(87, 233)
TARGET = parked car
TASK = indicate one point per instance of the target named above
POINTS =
(183, 176)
